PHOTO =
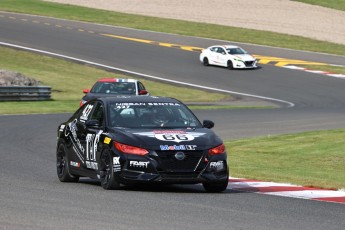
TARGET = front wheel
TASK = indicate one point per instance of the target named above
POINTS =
(62, 166)
(107, 176)
(216, 187)
(230, 65)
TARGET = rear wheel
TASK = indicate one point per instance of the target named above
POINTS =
(230, 65)
(62, 166)
(216, 187)
(205, 61)
(107, 177)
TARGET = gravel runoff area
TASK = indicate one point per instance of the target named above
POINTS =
(282, 16)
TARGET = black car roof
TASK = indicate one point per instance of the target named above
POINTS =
(135, 98)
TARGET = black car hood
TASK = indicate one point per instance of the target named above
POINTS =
(200, 138)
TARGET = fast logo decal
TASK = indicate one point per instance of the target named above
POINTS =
(171, 135)
(139, 164)
(177, 147)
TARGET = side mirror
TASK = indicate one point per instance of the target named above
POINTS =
(92, 124)
(86, 91)
(208, 124)
(143, 92)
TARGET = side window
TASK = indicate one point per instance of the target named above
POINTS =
(221, 50)
(98, 113)
(141, 86)
(213, 49)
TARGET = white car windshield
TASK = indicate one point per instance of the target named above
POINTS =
(236, 51)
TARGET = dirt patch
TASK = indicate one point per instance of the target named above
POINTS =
(282, 16)
(9, 78)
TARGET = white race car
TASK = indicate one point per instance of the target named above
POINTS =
(230, 56)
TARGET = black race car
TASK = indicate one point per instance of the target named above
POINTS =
(134, 139)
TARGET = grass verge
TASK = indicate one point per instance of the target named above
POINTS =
(333, 4)
(180, 27)
(311, 159)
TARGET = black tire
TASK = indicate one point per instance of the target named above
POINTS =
(205, 61)
(230, 65)
(106, 173)
(216, 187)
(62, 166)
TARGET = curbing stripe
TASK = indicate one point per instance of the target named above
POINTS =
(336, 75)
(286, 190)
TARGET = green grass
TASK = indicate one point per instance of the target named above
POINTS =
(68, 80)
(334, 4)
(170, 26)
(310, 159)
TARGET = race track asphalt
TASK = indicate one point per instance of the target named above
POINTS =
(33, 198)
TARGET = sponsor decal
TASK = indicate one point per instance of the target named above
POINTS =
(86, 112)
(107, 140)
(74, 164)
(177, 147)
(128, 104)
(169, 132)
(172, 135)
(219, 165)
(91, 145)
(92, 165)
(71, 132)
(191, 147)
(121, 96)
(139, 164)
(161, 103)
(116, 164)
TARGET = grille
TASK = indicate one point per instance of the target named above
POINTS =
(168, 162)
(249, 63)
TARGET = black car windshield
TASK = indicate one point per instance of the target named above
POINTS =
(114, 88)
(151, 115)
(236, 51)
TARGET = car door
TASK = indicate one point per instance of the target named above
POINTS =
(212, 55)
(221, 56)
(94, 127)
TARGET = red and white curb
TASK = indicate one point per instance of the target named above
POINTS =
(287, 190)
(315, 71)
